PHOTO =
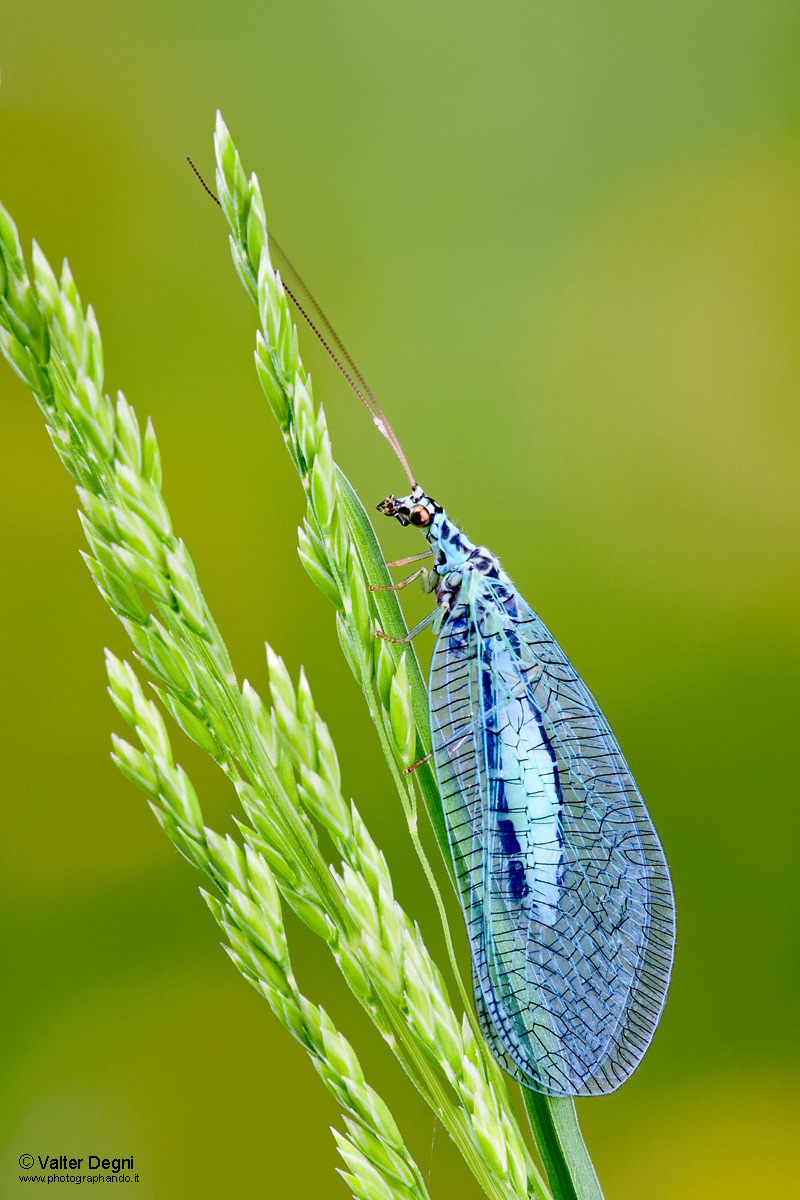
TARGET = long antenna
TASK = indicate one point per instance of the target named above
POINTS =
(364, 392)
(324, 319)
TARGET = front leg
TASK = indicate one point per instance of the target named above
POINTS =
(404, 562)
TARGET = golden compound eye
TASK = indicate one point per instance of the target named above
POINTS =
(419, 515)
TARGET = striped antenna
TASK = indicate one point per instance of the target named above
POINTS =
(362, 388)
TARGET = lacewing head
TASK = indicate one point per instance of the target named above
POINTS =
(416, 509)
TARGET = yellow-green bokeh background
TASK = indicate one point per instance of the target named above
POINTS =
(561, 240)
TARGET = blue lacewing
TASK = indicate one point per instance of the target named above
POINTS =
(563, 883)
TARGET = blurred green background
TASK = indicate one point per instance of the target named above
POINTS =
(561, 241)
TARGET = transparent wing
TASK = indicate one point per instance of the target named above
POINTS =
(564, 885)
